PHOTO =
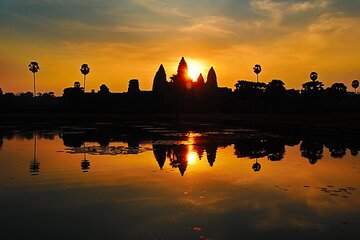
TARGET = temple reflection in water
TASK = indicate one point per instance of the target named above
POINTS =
(180, 156)
(182, 149)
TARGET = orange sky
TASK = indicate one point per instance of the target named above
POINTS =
(126, 39)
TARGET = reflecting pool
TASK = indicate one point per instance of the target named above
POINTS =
(161, 181)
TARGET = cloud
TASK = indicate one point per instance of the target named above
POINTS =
(213, 25)
(163, 7)
(278, 12)
(130, 28)
(272, 9)
(330, 24)
(310, 5)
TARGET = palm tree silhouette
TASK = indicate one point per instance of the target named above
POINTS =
(34, 164)
(77, 84)
(256, 166)
(355, 84)
(85, 164)
(257, 71)
(313, 76)
(84, 70)
(34, 68)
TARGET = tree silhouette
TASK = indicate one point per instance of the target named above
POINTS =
(314, 86)
(160, 83)
(257, 70)
(104, 90)
(76, 84)
(73, 94)
(85, 71)
(34, 68)
(1, 92)
(27, 95)
(337, 91)
(355, 84)
(313, 76)
(275, 88)
(276, 85)
(247, 89)
(339, 87)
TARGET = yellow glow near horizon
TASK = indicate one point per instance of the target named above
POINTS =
(195, 68)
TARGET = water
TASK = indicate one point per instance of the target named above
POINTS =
(166, 182)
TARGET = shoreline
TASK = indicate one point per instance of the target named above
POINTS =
(328, 124)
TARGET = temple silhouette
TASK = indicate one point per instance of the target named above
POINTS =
(179, 94)
(183, 94)
(182, 83)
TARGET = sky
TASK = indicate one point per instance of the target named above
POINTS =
(128, 39)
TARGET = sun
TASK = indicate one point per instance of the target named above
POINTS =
(195, 68)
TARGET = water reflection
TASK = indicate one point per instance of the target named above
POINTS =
(256, 166)
(1, 139)
(200, 183)
(85, 164)
(337, 150)
(180, 156)
(312, 151)
(272, 147)
(180, 149)
(34, 164)
(183, 149)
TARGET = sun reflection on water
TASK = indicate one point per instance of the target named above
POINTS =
(191, 158)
